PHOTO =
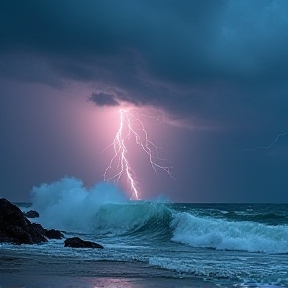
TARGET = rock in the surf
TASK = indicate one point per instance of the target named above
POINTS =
(15, 227)
(53, 234)
(31, 214)
(76, 242)
(49, 233)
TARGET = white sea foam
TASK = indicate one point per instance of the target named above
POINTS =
(68, 205)
(198, 268)
(226, 235)
(243, 271)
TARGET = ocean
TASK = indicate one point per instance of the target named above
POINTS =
(149, 243)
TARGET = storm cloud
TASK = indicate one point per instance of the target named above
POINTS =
(185, 57)
(103, 99)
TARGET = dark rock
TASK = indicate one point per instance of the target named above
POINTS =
(31, 214)
(51, 234)
(76, 242)
(15, 227)
(39, 228)
(54, 234)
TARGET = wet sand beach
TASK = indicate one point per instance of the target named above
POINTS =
(23, 270)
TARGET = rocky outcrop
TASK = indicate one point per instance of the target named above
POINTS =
(49, 233)
(53, 234)
(76, 242)
(31, 214)
(15, 227)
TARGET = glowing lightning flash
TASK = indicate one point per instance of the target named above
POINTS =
(132, 126)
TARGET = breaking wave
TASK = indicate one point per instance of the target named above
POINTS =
(227, 235)
(68, 206)
(106, 211)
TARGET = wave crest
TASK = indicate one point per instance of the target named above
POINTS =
(225, 235)
(103, 209)
(67, 205)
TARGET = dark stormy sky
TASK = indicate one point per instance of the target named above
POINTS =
(216, 71)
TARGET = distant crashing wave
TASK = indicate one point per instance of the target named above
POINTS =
(104, 210)
(227, 235)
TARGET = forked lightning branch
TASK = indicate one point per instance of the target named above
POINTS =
(131, 128)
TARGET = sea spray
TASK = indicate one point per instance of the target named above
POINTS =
(68, 205)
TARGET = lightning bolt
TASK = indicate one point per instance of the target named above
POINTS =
(131, 126)
(266, 147)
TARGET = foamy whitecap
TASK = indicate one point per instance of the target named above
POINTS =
(228, 235)
(68, 205)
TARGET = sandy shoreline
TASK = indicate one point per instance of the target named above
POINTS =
(40, 281)
(18, 269)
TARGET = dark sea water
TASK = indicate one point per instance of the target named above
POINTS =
(222, 245)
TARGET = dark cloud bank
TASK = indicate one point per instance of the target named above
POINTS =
(221, 62)
(192, 56)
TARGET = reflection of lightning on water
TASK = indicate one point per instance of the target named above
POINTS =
(132, 126)
(266, 147)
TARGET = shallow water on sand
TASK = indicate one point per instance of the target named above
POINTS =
(18, 269)
(97, 282)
